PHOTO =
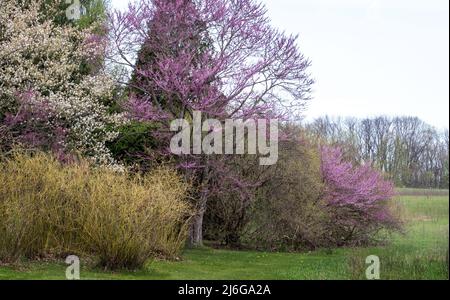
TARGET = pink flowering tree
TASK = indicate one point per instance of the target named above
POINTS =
(358, 198)
(219, 57)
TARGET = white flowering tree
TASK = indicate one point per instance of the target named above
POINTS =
(43, 76)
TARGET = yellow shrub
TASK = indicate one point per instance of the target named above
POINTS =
(47, 208)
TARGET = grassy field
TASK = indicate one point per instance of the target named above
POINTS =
(421, 253)
(422, 192)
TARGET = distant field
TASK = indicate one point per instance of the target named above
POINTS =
(421, 253)
(422, 192)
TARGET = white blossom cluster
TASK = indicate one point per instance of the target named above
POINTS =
(40, 56)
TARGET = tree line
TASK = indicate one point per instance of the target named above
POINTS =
(411, 152)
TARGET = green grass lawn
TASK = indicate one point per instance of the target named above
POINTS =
(421, 253)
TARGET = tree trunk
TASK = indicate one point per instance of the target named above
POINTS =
(196, 230)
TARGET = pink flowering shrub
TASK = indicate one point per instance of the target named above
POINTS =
(33, 126)
(309, 200)
(357, 198)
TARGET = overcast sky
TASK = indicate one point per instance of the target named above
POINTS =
(371, 57)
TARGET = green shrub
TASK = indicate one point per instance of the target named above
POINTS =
(133, 144)
(284, 212)
(47, 208)
(288, 211)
